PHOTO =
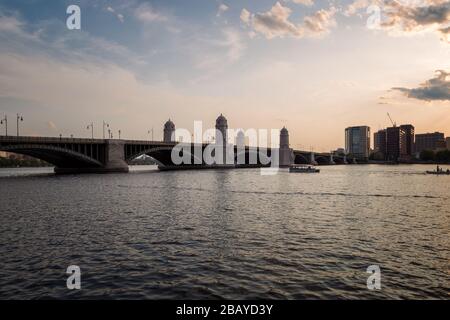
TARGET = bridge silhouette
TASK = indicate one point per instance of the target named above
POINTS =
(75, 155)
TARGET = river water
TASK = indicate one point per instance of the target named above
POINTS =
(233, 234)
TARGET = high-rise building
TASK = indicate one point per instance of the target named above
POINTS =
(357, 142)
(379, 143)
(408, 130)
(396, 148)
(429, 141)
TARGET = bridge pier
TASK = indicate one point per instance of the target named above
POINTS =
(313, 161)
(331, 162)
(114, 161)
(345, 159)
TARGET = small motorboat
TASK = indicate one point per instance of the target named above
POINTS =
(303, 169)
(439, 170)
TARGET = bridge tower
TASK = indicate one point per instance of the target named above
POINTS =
(169, 131)
(222, 126)
(286, 153)
(222, 141)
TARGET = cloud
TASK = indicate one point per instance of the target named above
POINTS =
(409, 16)
(321, 21)
(219, 52)
(234, 44)
(356, 6)
(12, 24)
(146, 13)
(50, 38)
(437, 88)
(275, 22)
(245, 16)
(118, 15)
(222, 8)
(308, 3)
(445, 34)
(52, 126)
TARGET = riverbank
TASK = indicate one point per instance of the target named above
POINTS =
(22, 163)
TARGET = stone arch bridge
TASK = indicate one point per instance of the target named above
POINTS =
(73, 155)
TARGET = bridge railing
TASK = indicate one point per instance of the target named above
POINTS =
(49, 139)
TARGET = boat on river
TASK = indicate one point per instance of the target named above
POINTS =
(303, 169)
(439, 171)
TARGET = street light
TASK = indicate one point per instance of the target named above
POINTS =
(91, 126)
(19, 118)
(151, 132)
(119, 134)
(5, 121)
(105, 125)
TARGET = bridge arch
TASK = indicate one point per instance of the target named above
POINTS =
(260, 154)
(301, 159)
(162, 155)
(59, 157)
(322, 160)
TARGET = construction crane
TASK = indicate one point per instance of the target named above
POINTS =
(393, 123)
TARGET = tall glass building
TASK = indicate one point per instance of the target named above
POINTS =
(357, 142)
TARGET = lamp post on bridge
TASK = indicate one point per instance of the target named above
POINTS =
(105, 125)
(5, 121)
(151, 132)
(91, 126)
(19, 118)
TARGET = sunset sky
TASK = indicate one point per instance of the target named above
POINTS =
(314, 66)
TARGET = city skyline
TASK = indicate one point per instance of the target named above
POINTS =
(264, 64)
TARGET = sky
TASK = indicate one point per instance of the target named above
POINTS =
(313, 66)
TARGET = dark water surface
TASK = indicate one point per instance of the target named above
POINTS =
(226, 234)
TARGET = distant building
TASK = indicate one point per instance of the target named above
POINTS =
(396, 148)
(447, 142)
(339, 152)
(169, 131)
(409, 137)
(440, 145)
(429, 141)
(379, 143)
(357, 142)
